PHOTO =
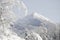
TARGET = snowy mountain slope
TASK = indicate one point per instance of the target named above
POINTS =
(26, 27)
(44, 27)
(33, 36)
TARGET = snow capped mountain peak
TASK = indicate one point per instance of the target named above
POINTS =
(28, 27)
(40, 17)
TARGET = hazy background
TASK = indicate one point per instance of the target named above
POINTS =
(47, 8)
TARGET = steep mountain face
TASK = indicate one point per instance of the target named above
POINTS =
(24, 27)
(40, 25)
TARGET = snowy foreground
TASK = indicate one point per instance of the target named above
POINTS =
(24, 26)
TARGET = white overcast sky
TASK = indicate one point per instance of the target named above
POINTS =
(48, 8)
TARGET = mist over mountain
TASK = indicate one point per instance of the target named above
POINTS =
(44, 27)
(26, 26)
